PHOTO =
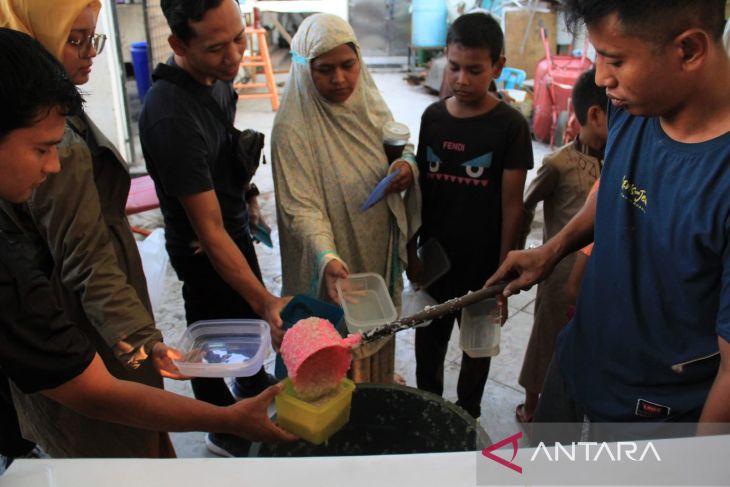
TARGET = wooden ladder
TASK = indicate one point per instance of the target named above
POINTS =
(256, 60)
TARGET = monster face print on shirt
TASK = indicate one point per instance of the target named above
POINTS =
(472, 172)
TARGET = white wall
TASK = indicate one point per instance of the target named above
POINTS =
(130, 19)
(104, 93)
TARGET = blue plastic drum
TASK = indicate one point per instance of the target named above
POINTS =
(428, 23)
(141, 65)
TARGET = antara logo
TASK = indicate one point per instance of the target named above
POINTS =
(592, 452)
(616, 452)
(487, 452)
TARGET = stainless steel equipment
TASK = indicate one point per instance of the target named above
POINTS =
(383, 28)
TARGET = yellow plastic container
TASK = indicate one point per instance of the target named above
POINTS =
(314, 422)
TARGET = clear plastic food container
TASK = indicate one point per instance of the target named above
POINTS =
(480, 329)
(435, 261)
(366, 302)
(414, 301)
(224, 348)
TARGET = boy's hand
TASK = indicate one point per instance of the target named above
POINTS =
(249, 418)
(404, 180)
(414, 271)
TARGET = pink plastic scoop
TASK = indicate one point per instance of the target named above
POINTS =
(316, 356)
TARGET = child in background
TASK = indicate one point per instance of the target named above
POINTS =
(572, 286)
(473, 155)
(562, 183)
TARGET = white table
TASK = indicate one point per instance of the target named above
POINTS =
(685, 461)
(443, 469)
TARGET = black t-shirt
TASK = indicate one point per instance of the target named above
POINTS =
(187, 150)
(39, 348)
(461, 162)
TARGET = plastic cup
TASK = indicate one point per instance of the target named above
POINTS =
(395, 138)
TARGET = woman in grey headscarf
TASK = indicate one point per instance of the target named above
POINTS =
(328, 156)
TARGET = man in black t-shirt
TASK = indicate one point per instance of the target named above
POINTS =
(40, 350)
(188, 151)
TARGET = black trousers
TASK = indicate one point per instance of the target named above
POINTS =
(12, 443)
(432, 343)
(208, 297)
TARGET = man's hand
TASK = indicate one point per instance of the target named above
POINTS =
(271, 313)
(402, 181)
(335, 270)
(249, 418)
(531, 267)
(254, 212)
(162, 358)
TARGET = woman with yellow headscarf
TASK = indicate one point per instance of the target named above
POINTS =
(76, 222)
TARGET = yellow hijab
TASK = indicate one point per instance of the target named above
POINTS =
(49, 22)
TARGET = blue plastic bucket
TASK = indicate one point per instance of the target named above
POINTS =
(428, 23)
(141, 65)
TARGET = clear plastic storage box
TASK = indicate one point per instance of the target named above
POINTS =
(224, 348)
(366, 302)
(434, 260)
(480, 329)
(414, 301)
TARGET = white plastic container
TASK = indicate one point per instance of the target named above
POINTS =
(224, 348)
(154, 262)
(366, 302)
(434, 260)
(414, 301)
(480, 329)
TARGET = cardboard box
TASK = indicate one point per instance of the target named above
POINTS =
(515, 22)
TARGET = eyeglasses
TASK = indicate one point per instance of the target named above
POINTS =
(85, 44)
